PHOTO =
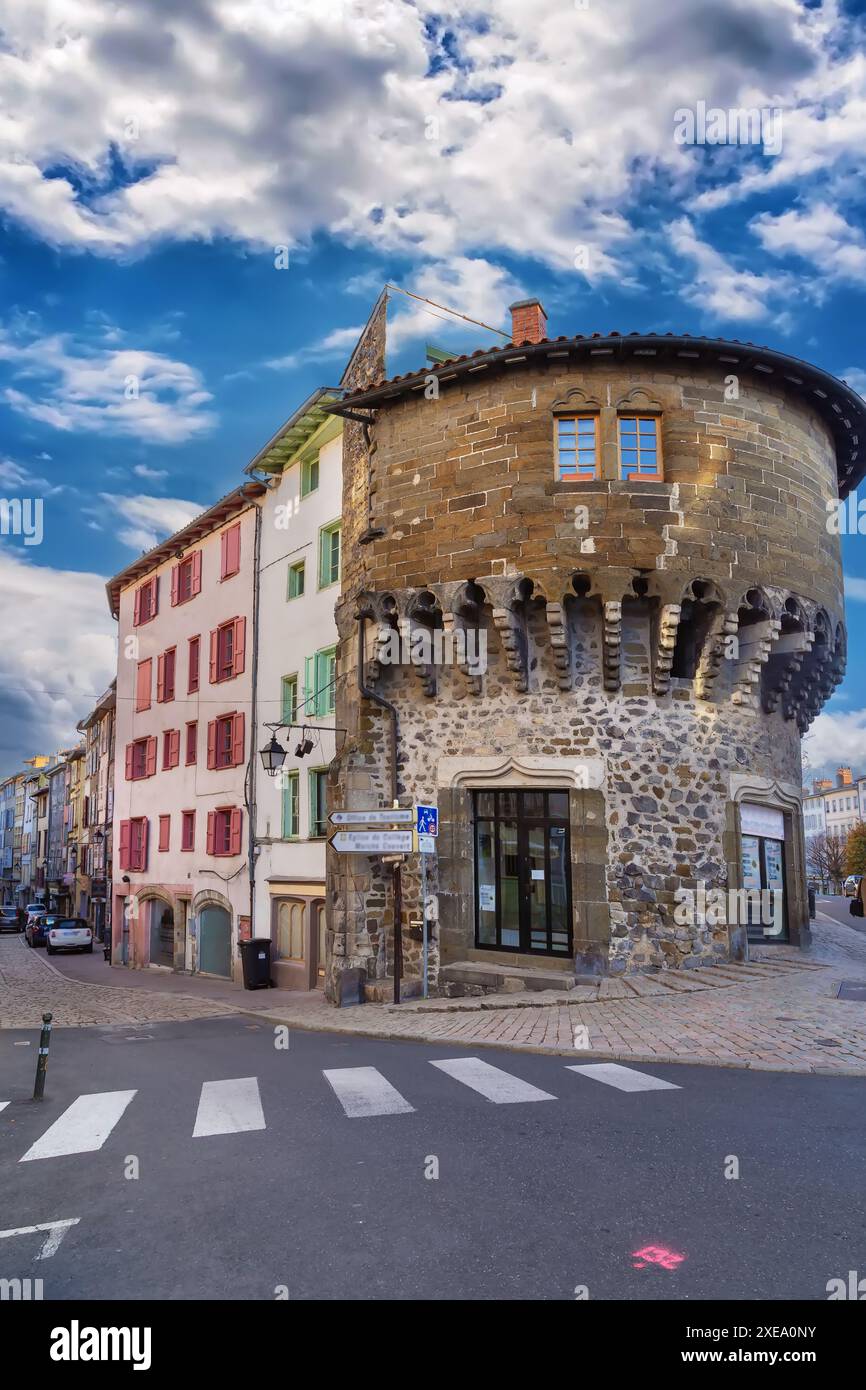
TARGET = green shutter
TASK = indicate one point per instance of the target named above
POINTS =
(291, 826)
(310, 698)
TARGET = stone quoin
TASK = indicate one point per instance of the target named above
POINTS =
(637, 525)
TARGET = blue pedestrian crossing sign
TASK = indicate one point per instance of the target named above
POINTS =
(427, 820)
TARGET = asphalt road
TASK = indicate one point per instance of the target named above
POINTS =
(839, 908)
(533, 1198)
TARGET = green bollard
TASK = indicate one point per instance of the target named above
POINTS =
(42, 1060)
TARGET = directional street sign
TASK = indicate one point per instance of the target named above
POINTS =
(377, 817)
(427, 820)
(372, 841)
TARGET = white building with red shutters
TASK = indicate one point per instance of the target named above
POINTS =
(185, 712)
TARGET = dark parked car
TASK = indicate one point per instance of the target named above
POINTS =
(35, 930)
(11, 919)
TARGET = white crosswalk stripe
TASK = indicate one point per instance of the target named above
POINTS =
(624, 1078)
(492, 1083)
(229, 1107)
(4, 1103)
(363, 1091)
(83, 1127)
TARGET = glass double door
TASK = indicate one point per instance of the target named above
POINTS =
(522, 872)
(763, 875)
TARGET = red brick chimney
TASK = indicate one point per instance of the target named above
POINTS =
(843, 777)
(528, 321)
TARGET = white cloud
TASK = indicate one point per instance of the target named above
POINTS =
(855, 588)
(148, 520)
(718, 286)
(818, 234)
(856, 379)
(54, 666)
(86, 389)
(838, 739)
(546, 134)
(141, 470)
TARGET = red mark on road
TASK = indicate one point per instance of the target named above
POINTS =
(656, 1255)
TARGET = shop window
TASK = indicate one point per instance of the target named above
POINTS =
(522, 871)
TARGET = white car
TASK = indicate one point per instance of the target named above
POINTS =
(69, 934)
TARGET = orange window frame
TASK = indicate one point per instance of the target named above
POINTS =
(580, 434)
(642, 448)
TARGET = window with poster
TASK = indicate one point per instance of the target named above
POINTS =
(762, 871)
(522, 871)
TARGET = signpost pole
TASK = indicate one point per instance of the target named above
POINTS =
(424, 915)
(398, 931)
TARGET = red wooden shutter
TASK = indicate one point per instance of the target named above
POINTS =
(235, 831)
(196, 572)
(145, 831)
(142, 684)
(168, 673)
(164, 832)
(125, 831)
(136, 615)
(240, 642)
(223, 553)
(237, 739)
(211, 831)
(160, 677)
(211, 743)
(192, 683)
(175, 576)
(214, 654)
(150, 760)
(175, 747)
(130, 750)
(232, 551)
(154, 604)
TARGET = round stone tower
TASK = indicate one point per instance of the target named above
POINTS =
(591, 600)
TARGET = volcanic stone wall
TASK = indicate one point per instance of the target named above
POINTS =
(582, 591)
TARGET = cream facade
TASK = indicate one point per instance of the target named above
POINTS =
(299, 579)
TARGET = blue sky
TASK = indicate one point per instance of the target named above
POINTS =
(152, 164)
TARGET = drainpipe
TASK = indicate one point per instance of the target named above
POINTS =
(368, 694)
(250, 780)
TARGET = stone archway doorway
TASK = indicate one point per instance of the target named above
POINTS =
(160, 932)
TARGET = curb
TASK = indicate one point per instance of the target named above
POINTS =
(731, 1063)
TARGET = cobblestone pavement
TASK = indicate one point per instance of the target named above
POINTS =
(30, 986)
(780, 1012)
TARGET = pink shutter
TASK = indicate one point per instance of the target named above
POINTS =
(211, 743)
(168, 673)
(154, 607)
(214, 654)
(237, 740)
(130, 751)
(164, 832)
(235, 831)
(240, 643)
(160, 677)
(194, 648)
(223, 553)
(196, 572)
(175, 747)
(211, 831)
(145, 831)
(175, 575)
(150, 760)
(125, 831)
(136, 615)
(142, 684)
(231, 552)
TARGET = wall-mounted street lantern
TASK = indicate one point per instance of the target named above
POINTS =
(273, 757)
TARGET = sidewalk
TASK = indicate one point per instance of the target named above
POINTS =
(779, 1012)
